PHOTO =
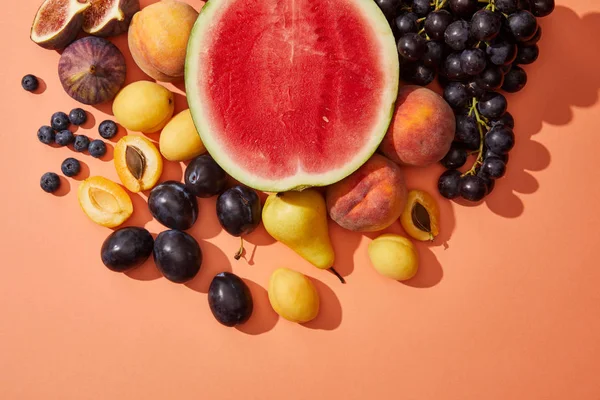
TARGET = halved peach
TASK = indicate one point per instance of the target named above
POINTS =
(421, 216)
(104, 202)
(138, 163)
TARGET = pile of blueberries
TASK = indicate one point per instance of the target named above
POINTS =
(476, 48)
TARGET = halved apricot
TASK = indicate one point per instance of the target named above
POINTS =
(421, 216)
(104, 202)
(138, 163)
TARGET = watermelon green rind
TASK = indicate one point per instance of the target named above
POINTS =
(301, 180)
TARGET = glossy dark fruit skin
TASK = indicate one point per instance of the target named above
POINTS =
(64, 138)
(421, 7)
(70, 167)
(177, 256)
(493, 167)
(536, 38)
(514, 80)
(452, 68)
(527, 54)
(30, 83)
(173, 205)
(81, 143)
(46, 135)
(463, 8)
(412, 46)
(97, 148)
(78, 116)
(507, 119)
(50, 182)
(523, 25)
(108, 129)
(457, 34)
(406, 23)
(506, 6)
(436, 24)
(485, 25)
(229, 299)
(541, 8)
(434, 53)
(492, 105)
(204, 177)
(455, 158)
(126, 248)
(490, 183)
(475, 90)
(456, 95)
(467, 132)
(488, 153)
(388, 7)
(491, 78)
(501, 53)
(417, 73)
(472, 188)
(472, 61)
(59, 121)
(449, 184)
(239, 210)
(500, 139)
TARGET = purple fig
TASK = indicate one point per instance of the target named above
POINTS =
(92, 70)
(109, 17)
(58, 22)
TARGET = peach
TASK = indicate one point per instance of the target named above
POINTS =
(370, 199)
(158, 37)
(422, 128)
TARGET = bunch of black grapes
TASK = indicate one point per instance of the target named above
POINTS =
(476, 48)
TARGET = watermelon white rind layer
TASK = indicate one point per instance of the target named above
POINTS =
(199, 101)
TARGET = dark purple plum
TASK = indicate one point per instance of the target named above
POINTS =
(229, 299)
(127, 248)
(177, 255)
(204, 177)
(173, 205)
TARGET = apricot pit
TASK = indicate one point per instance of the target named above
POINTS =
(138, 163)
(421, 216)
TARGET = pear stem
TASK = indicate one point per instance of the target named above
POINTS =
(239, 253)
(333, 271)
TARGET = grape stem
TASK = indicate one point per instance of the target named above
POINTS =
(439, 5)
(481, 123)
(333, 271)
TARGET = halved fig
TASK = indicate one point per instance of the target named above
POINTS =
(104, 202)
(138, 163)
(109, 17)
(58, 22)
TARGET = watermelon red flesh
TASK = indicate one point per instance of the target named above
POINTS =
(292, 93)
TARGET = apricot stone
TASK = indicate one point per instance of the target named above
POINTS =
(158, 37)
(422, 128)
(370, 199)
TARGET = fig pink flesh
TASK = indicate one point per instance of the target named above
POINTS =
(292, 95)
(54, 14)
(97, 11)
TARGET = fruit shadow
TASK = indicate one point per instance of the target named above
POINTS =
(263, 318)
(145, 272)
(214, 261)
(330, 308)
(141, 214)
(207, 226)
(84, 173)
(110, 152)
(252, 242)
(41, 87)
(345, 243)
(65, 187)
(172, 171)
(541, 103)
(90, 121)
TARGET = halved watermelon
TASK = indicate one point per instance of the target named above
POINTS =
(288, 94)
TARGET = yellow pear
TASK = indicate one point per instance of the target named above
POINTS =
(299, 220)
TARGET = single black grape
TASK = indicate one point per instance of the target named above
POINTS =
(514, 80)
(492, 105)
(501, 52)
(406, 23)
(411, 46)
(452, 69)
(455, 158)
(449, 184)
(527, 54)
(436, 24)
(457, 35)
(500, 139)
(485, 25)
(536, 38)
(456, 95)
(488, 153)
(389, 7)
(472, 61)
(524, 5)
(541, 8)
(522, 25)
(434, 53)
(490, 183)
(475, 90)
(467, 132)
(491, 78)
(472, 188)
(463, 8)
(494, 167)
(507, 119)
(506, 6)
(417, 73)
(421, 7)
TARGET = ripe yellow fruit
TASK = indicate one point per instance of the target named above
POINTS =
(104, 202)
(144, 107)
(293, 296)
(394, 256)
(179, 140)
(138, 163)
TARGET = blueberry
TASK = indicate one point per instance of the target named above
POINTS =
(70, 167)
(46, 134)
(50, 182)
(82, 143)
(64, 137)
(97, 148)
(30, 83)
(60, 121)
(108, 129)
(78, 116)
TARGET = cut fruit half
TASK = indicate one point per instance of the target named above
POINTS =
(301, 96)
(104, 202)
(138, 163)
(109, 17)
(58, 22)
